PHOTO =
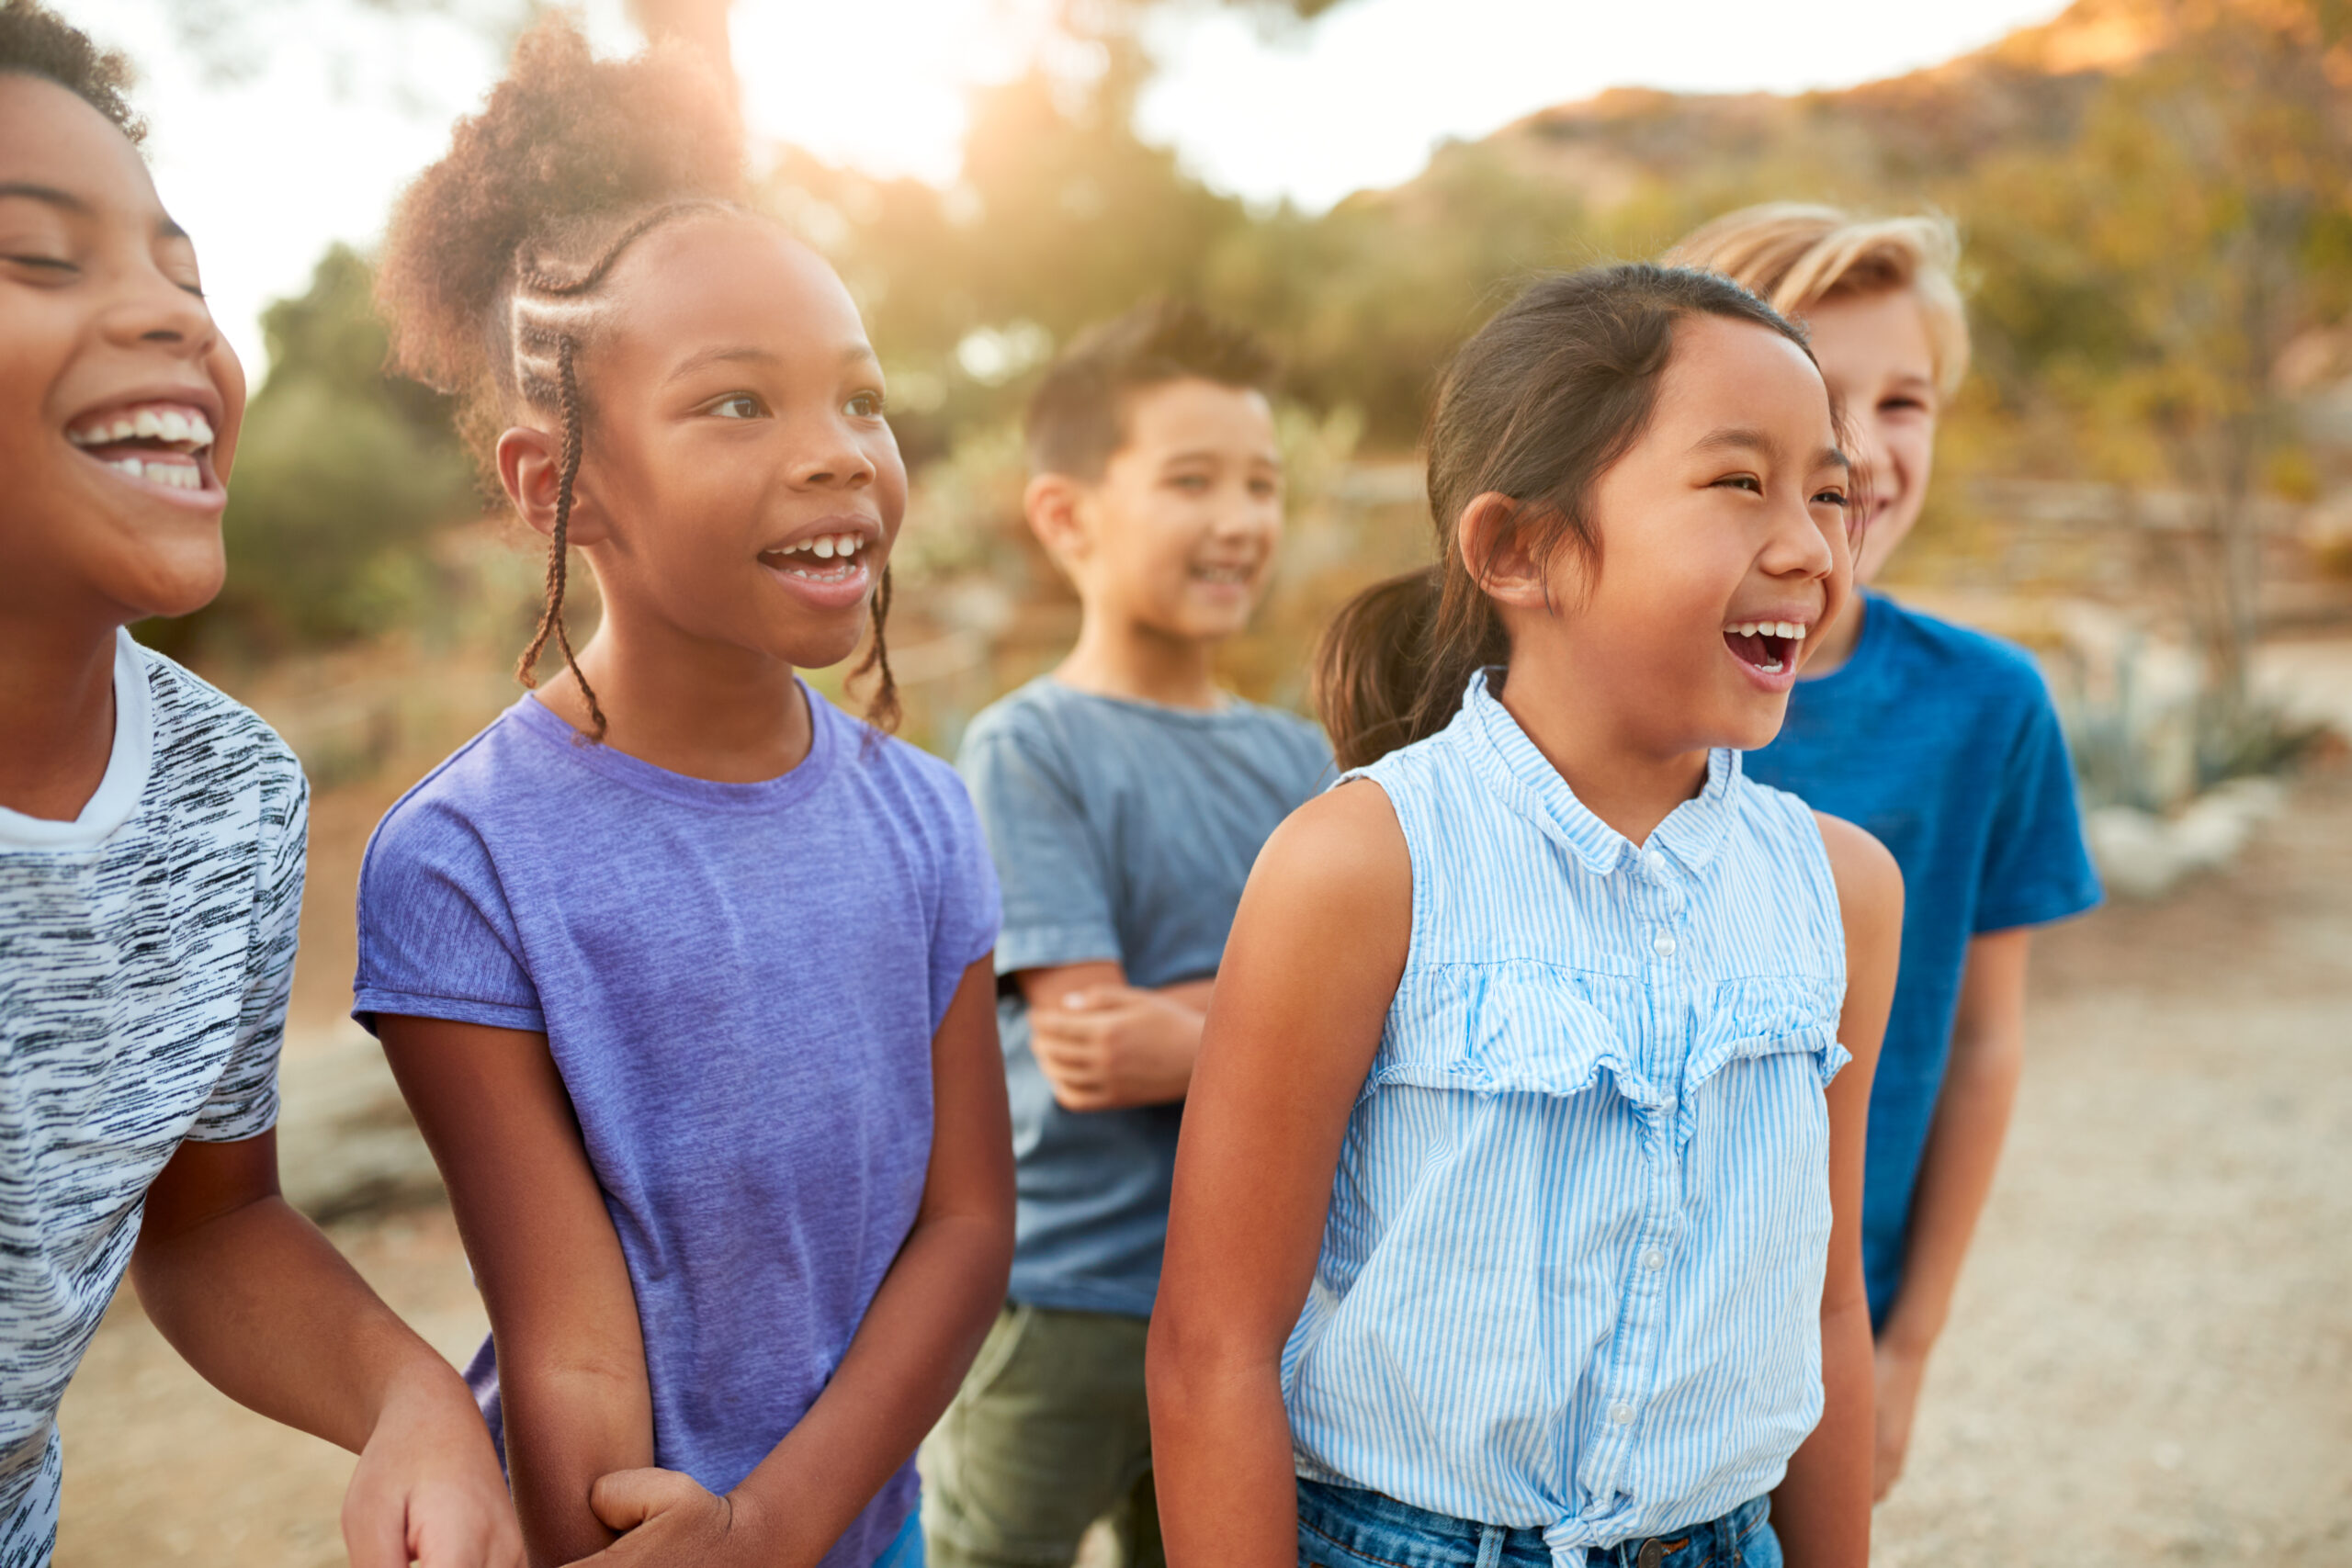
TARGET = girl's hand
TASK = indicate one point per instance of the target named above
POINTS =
(427, 1488)
(1900, 1372)
(664, 1517)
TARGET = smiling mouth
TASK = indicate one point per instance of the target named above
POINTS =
(1769, 646)
(1225, 576)
(162, 443)
(828, 558)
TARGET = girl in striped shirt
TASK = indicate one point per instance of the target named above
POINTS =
(1516, 1211)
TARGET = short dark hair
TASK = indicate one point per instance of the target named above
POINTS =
(1078, 415)
(36, 41)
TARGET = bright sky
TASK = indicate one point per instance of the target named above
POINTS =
(339, 102)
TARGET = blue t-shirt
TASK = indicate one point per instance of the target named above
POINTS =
(1942, 742)
(1122, 830)
(738, 984)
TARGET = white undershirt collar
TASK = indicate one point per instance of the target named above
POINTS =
(127, 768)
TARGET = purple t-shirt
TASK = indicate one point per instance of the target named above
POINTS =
(738, 984)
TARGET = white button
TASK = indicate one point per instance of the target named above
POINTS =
(1653, 1260)
(1622, 1414)
(1664, 943)
(1653, 860)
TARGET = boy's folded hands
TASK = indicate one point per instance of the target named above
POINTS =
(1114, 1047)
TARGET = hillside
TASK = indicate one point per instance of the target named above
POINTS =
(2031, 90)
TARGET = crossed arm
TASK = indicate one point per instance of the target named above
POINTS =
(1107, 1045)
(571, 1360)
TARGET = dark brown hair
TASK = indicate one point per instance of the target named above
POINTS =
(496, 257)
(1078, 415)
(1535, 407)
(36, 41)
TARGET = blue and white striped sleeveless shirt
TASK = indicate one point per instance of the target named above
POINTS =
(1572, 1275)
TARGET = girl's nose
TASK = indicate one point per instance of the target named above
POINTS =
(840, 465)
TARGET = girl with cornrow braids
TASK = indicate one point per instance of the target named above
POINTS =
(685, 973)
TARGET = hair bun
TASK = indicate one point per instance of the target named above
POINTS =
(565, 136)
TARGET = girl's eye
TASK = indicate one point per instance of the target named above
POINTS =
(737, 405)
(57, 264)
(866, 405)
(1196, 483)
(1831, 498)
(1743, 482)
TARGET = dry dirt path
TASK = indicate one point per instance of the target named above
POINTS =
(2150, 1362)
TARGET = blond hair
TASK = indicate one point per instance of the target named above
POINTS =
(1795, 254)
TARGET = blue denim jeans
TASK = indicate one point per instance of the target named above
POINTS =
(1339, 1527)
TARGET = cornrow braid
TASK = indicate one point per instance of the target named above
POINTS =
(547, 314)
(882, 710)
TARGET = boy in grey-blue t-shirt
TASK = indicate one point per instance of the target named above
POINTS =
(1125, 798)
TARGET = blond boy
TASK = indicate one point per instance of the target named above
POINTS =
(1941, 741)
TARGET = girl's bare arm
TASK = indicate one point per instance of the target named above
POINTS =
(926, 1322)
(1316, 950)
(571, 1357)
(1822, 1509)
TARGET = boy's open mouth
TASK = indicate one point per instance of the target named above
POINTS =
(828, 558)
(162, 443)
(1769, 646)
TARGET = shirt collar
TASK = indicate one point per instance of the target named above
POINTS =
(1531, 785)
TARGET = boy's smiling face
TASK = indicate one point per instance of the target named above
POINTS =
(1176, 537)
(119, 400)
(1875, 355)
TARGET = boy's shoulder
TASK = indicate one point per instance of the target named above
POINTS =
(1927, 647)
(1046, 716)
(457, 801)
(206, 743)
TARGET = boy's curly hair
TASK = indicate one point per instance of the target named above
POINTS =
(495, 256)
(36, 41)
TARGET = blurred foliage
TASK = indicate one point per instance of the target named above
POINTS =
(342, 474)
(2156, 196)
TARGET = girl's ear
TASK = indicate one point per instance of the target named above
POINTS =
(1053, 503)
(1495, 551)
(530, 467)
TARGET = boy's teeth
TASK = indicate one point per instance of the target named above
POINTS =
(1767, 629)
(184, 428)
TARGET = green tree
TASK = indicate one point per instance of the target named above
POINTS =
(2145, 278)
(341, 475)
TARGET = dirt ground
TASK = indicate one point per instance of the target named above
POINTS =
(2150, 1362)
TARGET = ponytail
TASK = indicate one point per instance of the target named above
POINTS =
(1535, 407)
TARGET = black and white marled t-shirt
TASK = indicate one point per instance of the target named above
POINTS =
(146, 950)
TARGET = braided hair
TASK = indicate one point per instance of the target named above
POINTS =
(496, 258)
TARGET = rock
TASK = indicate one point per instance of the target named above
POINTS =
(347, 1146)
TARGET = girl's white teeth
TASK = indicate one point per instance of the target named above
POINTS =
(825, 547)
(1768, 628)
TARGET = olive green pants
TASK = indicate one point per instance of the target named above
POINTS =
(1049, 1434)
